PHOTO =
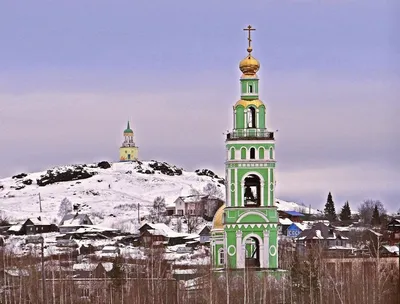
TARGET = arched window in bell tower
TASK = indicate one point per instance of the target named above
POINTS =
(252, 191)
(243, 153)
(252, 153)
(232, 150)
(251, 117)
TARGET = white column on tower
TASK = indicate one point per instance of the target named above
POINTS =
(265, 252)
(239, 250)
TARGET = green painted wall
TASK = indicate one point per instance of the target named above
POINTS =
(261, 117)
(244, 88)
(239, 117)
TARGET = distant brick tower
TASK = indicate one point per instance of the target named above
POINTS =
(128, 151)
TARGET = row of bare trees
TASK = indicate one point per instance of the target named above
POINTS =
(310, 278)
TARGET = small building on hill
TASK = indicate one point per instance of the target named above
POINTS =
(73, 221)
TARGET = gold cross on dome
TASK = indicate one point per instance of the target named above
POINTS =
(249, 29)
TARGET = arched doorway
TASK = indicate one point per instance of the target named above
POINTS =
(252, 252)
(252, 191)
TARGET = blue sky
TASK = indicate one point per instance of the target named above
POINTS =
(72, 73)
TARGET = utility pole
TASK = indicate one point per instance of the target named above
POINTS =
(40, 203)
(43, 273)
(138, 213)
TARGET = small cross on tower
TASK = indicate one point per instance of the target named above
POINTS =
(249, 29)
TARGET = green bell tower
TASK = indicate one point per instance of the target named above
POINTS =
(245, 230)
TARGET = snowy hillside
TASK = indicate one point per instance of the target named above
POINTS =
(292, 206)
(109, 194)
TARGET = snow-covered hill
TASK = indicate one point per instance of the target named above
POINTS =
(110, 194)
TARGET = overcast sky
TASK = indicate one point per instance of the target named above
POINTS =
(73, 72)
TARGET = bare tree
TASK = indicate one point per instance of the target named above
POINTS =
(65, 207)
(213, 190)
(4, 220)
(194, 218)
(179, 225)
(366, 210)
(194, 191)
(158, 213)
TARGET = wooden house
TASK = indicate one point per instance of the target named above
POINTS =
(33, 225)
(294, 216)
(92, 270)
(160, 234)
(205, 235)
(393, 229)
(323, 236)
(73, 221)
(389, 251)
(197, 205)
(284, 224)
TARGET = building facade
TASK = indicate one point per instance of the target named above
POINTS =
(245, 230)
(128, 151)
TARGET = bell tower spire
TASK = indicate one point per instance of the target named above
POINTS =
(245, 230)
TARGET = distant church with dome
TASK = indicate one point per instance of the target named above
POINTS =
(128, 150)
(245, 230)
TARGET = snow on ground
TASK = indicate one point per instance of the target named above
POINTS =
(110, 197)
(292, 206)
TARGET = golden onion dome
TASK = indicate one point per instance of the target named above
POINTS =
(249, 65)
(218, 222)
